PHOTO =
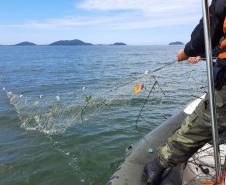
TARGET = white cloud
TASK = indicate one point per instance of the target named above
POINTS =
(67, 22)
(51, 23)
(141, 14)
(148, 13)
(148, 7)
(119, 22)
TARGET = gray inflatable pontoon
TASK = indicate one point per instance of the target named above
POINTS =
(130, 172)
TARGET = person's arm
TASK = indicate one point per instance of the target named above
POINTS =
(196, 46)
(181, 56)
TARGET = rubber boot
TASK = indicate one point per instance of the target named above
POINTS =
(153, 172)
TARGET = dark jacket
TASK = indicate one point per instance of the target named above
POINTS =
(196, 45)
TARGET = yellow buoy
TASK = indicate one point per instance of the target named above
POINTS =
(138, 88)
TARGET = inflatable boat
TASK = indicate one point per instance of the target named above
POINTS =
(198, 170)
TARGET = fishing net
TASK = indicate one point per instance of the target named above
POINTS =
(143, 93)
(147, 98)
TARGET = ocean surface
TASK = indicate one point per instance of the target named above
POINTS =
(68, 114)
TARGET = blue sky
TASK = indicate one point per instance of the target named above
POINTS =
(98, 21)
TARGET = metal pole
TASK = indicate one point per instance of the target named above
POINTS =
(208, 47)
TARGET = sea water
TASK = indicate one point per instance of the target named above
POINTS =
(68, 114)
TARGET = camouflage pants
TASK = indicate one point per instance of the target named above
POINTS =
(195, 132)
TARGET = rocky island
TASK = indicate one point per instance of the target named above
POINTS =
(74, 42)
(119, 44)
(176, 43)
(25, 44)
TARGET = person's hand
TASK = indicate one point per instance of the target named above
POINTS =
(181, 56)
(194, 60)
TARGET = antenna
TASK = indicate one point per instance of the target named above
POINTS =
(208, 48)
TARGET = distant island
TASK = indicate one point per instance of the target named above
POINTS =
(74, 42)
(176, 43)
(119, 44)
(25, 44)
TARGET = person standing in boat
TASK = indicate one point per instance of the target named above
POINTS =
(195, 130)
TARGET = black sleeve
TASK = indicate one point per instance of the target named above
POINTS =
(196, 45)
